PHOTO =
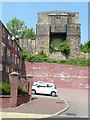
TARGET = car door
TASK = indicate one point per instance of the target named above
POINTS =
(47, 89)
(40, 89)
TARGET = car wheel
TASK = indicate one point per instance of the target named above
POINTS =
(53, 94)
(33, 92)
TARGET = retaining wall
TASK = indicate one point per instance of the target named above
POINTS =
(21, 99)
(64, 76)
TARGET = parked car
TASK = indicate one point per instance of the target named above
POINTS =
(38, 82)
(45, 88)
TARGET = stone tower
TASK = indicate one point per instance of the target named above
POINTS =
(55, 27)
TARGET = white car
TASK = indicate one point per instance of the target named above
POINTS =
(45, 88)
(38, 82)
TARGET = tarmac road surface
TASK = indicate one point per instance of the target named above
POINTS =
(77, 101)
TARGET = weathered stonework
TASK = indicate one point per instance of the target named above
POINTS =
(28, 45)
(57, 56)
(55, 27)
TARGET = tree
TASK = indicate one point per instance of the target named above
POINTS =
(28, 33)
(86, 47)
(18, 29)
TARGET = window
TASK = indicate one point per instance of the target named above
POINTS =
(11, 69)
(3, 32)
(9, 37)
(15, 59)
(8, 52)
(7, 69)
(9, 41)
(15, 47)
(1, 67)
(13, 44)
(12, 57)
(18, 60)
(2, 49)
(18, 49)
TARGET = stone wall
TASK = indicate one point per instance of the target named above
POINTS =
(28, 45)
(57, 56)
(57, 22)
(55, 27)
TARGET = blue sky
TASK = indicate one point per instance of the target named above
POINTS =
(27, 11)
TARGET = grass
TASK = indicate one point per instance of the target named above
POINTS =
(75, 62)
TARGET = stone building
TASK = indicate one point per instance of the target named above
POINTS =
(28, 45)
(56, 27)
(53, 28)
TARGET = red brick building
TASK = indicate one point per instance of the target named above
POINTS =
(10, 54)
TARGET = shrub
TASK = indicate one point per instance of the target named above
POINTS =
(53, 48)
(86, 47)
(4, 88)
(24, 55)
(64, 48)
(22, 91)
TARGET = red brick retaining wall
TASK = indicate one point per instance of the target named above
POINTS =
(23, 99)
(5, 102)
(64, 76)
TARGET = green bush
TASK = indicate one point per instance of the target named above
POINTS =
(42, 57)
(4, 89)
(22, 91)
(24, 55)
(53, 48)
(86, 47)
(64, 48)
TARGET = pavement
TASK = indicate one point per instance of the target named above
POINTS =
(39, 107)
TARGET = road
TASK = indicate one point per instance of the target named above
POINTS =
(77, 100)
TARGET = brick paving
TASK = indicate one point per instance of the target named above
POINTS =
(40, 105)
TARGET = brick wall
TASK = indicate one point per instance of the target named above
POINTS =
(22, 99)
(64, 76)
(5, 102)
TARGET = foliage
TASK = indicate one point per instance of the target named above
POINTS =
(64, 48)
(41, 57)
(4, 88)
(24, 55)
(28, 33)
(22, 91)
(76, 62)
(86, 47)
(53, 48)
(18, 29)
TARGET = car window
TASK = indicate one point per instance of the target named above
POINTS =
(41, 86)
(49, 85)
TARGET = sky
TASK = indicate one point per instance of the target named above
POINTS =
(27, 11)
